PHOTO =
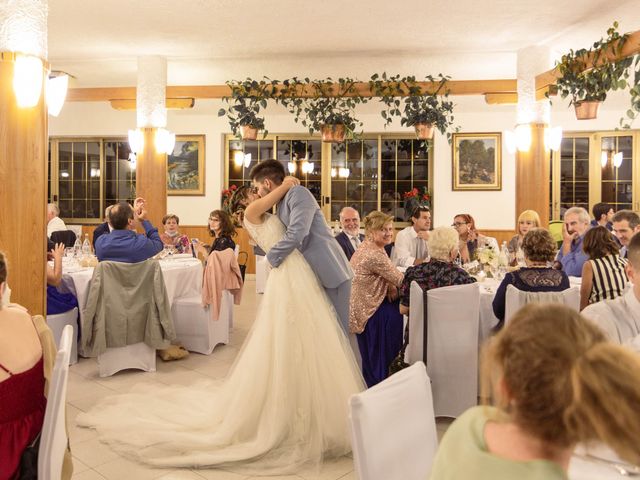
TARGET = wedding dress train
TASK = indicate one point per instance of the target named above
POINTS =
(283, 403)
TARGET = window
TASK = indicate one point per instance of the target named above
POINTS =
(86, 175)
(371, 173)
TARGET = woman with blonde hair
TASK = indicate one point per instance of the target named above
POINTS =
(526, 221)
(556, 382)
(374, 314)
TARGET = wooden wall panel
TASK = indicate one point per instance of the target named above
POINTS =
(499, 235)
(23, 194)
(151, 178)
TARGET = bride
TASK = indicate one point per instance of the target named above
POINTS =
(283, 403)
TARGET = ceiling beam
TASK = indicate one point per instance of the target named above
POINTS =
(630, 47)
(170, 103)
(511, 98)
(456, 87)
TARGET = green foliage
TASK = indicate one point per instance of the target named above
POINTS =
(249, 97)
(592, 84)
(634, 92)
(403, 97)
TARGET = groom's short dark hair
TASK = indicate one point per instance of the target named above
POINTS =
(271, 169)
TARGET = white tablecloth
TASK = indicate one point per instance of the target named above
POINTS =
(182, 277)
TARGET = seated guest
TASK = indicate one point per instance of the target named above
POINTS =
(411, 242)
(54, 222)
(171, 235)
(603, 276)
(555, 382)
(123, 244)
(373, 307)
(27, 352)
(350, 237)
(526, 221)
(602, 215)
(619, 319)
(57, 302)
(222, 230)
(538, 276)
(626, 224)
(470, 238)
(103, 227)
(440, 271)
(571, 256)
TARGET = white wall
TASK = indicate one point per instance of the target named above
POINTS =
(492, 210)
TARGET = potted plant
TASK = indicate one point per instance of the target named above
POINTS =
(426, 111)
(249, 96)
(587, 75)
(325, 106)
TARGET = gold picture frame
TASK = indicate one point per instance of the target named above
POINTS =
(185, 166)
(477, 161)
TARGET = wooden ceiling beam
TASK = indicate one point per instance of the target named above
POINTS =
(170, 103)
(456, 87)
(630, 47)
(511, 98)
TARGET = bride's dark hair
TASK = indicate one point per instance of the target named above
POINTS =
(238, 203)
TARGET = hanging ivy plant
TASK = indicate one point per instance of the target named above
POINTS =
(249, 97)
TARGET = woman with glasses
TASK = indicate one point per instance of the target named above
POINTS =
(470, 238)
(221, 229)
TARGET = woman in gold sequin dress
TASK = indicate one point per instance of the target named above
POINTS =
(282, 405)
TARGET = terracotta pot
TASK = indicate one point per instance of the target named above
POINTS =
(333, 133)
(248, 132)
(425, 131)
(587, 110)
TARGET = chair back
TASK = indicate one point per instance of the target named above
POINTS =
(68, 237)
(53, 439)
(414, 351)
(516, 299)
(393, 430)
(555, 229)
(453, 319)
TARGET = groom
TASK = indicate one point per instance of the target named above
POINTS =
(308, 232)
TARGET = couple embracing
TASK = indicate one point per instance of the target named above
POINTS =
(283, 403)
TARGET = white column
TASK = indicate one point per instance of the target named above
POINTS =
(23, 27)
(532, 60)
(151, 92)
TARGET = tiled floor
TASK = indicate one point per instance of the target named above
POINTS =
(93, 460)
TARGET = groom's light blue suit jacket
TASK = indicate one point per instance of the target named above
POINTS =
(308, 231)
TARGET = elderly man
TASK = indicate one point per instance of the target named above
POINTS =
(350, 238)
(123, 244)
(411, 242)
(625, 225)
(571, 256)
(103, 227)
(620, 318)
(55, 223)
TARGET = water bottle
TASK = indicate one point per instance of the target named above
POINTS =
(503, 260)
(77, 248)
(86, 246)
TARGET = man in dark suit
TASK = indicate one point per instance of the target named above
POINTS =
(103, 227)
(350, 238)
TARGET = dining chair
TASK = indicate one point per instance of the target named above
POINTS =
(452, 320)
(58, 322)
(53, 439)
(393, 429)
(516, 299)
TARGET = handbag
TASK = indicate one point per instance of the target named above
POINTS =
(243, 266)
(398, 362)
(28, 469)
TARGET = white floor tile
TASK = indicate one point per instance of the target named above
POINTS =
(93, 453)
(121, 468)
(88, 475)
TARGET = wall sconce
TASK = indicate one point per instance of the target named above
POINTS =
(616, 157)
(617, 160)
(520, 139)
(27, 80)
(343, 172)
(165, 141)
(307, 167)
(136, 140)
(553, 138)
(57, 87)
(291, 166)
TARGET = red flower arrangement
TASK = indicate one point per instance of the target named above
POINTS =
(422, 195)
(227, 194)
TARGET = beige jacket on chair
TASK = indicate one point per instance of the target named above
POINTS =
(221, 273)
(127, 304)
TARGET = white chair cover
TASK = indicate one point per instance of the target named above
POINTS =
(53, 440)
(57, 323)
(195, 329)
(452, 353)
(139, 355)
(516, 299)
(262, 273)
(393, 430)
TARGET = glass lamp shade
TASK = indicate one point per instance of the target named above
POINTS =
(57, 93)
(27, 80)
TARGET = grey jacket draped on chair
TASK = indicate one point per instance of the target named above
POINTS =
(127, 304)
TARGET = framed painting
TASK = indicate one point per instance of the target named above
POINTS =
(185, 166)
(477, 161)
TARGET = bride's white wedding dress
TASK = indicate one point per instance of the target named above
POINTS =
(283, 403)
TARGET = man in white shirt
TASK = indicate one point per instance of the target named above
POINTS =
(411, 243)
(350, 238)
(626, 224)
(619, 318)
(55, 223)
